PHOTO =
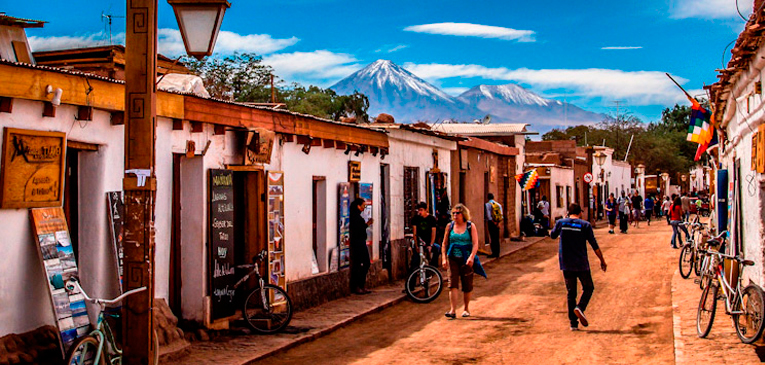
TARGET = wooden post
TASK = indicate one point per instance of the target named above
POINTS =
(139, 180)
(590, 200)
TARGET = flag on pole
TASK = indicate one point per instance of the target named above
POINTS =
(700, 130)
(528, 180)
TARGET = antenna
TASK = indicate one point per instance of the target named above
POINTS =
(109, 18)
(486, 119)
(617, 102)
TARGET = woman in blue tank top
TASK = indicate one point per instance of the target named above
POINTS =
(458, 253)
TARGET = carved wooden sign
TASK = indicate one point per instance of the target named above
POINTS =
(259, 144)
(33, 168)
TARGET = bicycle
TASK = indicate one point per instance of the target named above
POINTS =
(267, 308)
(706, 267)
(745, 305)
(420, 284)
(688, 253)
(100, 346)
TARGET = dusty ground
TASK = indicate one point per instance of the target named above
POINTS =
(519, 315)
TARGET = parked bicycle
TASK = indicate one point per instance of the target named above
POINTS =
(425, 283)
(688, 254)
(267, 308)
(706, 263)
(746, 305)
(100, 345)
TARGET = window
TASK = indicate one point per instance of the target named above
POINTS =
(411, 195)
(559, 192)
(568, 196)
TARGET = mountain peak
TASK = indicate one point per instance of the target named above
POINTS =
(384, 74)
(511, 93)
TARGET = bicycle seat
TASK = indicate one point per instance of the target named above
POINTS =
(718, 238)
(747, 262)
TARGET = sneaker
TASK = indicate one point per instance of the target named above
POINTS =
(580, 314)
(574, 328)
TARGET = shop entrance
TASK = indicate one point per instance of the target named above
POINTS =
(250, 235)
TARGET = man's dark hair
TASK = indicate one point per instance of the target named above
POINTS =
(356, 203)
(544, 197)
(490, 196)
(422, 205)
(574, 209)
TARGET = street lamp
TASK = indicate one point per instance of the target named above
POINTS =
(199, 22)
(600, 159)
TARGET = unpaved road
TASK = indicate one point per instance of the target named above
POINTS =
(519, 315)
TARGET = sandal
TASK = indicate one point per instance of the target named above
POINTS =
(450, 315)
(465, 314)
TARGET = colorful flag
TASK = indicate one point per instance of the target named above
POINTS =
(528, 180)
(700, 131)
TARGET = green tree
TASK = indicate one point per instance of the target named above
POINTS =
(240, 77)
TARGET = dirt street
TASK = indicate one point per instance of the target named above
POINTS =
(519, 314)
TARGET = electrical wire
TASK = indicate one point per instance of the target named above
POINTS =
(722, 59)
(739, 12)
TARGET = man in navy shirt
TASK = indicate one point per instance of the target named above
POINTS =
(572, 255)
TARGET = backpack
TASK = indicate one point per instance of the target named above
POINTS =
(496, 212)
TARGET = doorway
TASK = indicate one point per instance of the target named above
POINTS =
(384, 216)
(411, 195)
(250, 235)
(71, 197)
(319, 225)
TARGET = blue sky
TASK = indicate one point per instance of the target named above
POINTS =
(590, 53)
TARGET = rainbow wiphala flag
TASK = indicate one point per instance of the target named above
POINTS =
(700, 131)
(528, 180)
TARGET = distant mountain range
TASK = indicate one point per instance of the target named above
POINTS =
(394, 90)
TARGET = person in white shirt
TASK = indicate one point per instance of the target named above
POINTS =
(544, 207)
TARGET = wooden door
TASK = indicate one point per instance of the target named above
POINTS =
(174, 300)
(411, 195)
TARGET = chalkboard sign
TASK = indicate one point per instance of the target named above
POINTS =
(221, 243)
(116, 211)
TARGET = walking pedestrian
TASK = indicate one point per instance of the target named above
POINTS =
(676, 214)
(611, 208)
(574, 235)
(685, 201)
(624, 212)
(648, 205)
(494, 217)
(544, 207)
(458, 252)
(423, 228)
(637, 204)
(665, 208)
(360, 260)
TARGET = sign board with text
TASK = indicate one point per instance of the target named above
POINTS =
(32, 168)
(221, 242)
(354, 171)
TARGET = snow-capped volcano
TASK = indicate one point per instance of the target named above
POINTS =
(510, 93)
(392, 89)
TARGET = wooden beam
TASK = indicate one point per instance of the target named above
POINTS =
(316, 142)
(288, 137)
(177, 124)
(328, 143)
(196, 127)
(84, 146)
(49, 110)
(118, 118)
(84, 112)
(219, 129)
(340, 145)
(303, 139)
(6, 105)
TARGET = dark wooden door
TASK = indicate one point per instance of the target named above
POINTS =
(411, 195)
(174, 300)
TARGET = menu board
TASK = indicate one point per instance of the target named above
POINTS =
(221, 242)
(116, 212)
(276, 229)
(57, 256)
(344, 221)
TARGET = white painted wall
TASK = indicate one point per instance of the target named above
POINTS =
(520, 160)
(299, 170)
(560, 176)
(413, 150)
(617, 174)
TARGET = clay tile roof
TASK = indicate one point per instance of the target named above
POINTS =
(20, 22)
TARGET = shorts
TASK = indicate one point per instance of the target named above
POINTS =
(612, 219)
(459, 272)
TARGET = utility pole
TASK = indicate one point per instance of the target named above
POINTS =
(139, 182)
(273, 92)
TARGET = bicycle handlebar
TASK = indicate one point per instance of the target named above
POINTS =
(73, 284)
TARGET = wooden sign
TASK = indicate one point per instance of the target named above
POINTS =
(354, 171)
(33, 168)
(760, 156)
(56, 252)
(221, 243)
(116, 220)
(259, 144)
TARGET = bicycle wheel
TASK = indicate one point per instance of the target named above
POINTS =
(686, 261)
(83, 352)
(268, 312)
(749, 325)
(705, 315)
(424, 285)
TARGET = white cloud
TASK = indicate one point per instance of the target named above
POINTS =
(388, 49)
(619, 48)
(474, 30)
(454, 91)
(76, 41)
(636, 87)
(708, 9)
(170, 42)
(318, 67)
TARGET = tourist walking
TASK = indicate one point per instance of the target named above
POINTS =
(676, 215)
(458, 252)
(624, 212)
(544, 207)
(665, 208)
(360, 260)
(494, 217)
(574, 235)
(611, 208)
(648, 205)
(637, 204)
(685, 201)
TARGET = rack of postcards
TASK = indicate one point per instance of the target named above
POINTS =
(276, 229)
